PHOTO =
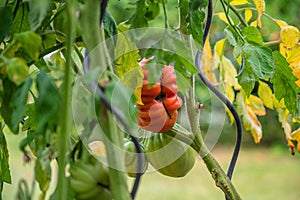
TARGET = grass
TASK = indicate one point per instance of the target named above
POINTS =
(261, 174)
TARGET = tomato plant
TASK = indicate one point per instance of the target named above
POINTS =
(72, 73)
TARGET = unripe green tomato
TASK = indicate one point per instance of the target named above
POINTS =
(131, 158)
(169, 156)
(89, 180)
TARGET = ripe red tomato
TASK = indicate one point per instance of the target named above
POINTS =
(158, 113)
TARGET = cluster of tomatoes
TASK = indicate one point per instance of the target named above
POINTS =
(158, 113)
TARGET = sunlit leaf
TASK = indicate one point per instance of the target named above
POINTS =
(266, 95)
(239, 2)
(223, 17)
(284, 83)
(249, 118)
(207, 63)
(289, 36)
(248, 15)
(230, 74)
(281, 23)
(219, 47)
(256, 104)
(260, 7)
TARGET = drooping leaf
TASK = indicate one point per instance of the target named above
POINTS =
(43, 174)
(281, 23)
(260, 7)
(6, 16)
(223, 17)
(4, 156)
(295, 135)
(289, 36)
(247, 79)
(6, 99)
(284, 84)
(266, 94)
(256, 104)
(230, 74)
(19, 103)
(17, 70)
(261, 60)
(249, 118)
(37, 12)
(253, 35)
(196, 19)
(20, 22)
(47, 104)
(207, 61)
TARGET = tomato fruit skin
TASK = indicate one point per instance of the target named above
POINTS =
(158, 111)
(131, 158)
(90, 180)
(169, 156)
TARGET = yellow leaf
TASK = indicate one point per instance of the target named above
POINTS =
(248, 15)
(293, 55)
(98, 148)
(254, 23)
(207, 60)
(230, 73)
(289, 36)
(222, 16)
(127, 66)
(219, 47)
(281, 23)
(249, 118)
(295, 135)
(257, 105)
(260, 7)
(239, 2)
(229, 92)
(266, 95)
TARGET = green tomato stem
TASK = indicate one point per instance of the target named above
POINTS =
(197, 143)
(62, 186)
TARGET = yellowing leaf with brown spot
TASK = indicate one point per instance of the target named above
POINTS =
(293, 55)
(266, 95)
(239, 2)
(260, 7)
(257, 105)
(248, 15)
(289, 36)
(295, 135)
(249, 118)
(281, 23)
(207, 60)
(222, 16)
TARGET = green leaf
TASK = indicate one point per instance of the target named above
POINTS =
(284, 84)
(261, 60)
(6, 17)
(20, 22)
(4, 164)
(37, 12)
(17, 70)
(43, 174)
(30, 42)
(196, 4)
(247, 79)
(48, 102)
(253, 35)
(110, 26)
(138, 19)
(196, 19)
(19, 103)
(183, 6)
(6, 101)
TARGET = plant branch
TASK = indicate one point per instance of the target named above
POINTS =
(62, 186)
(236, 12)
